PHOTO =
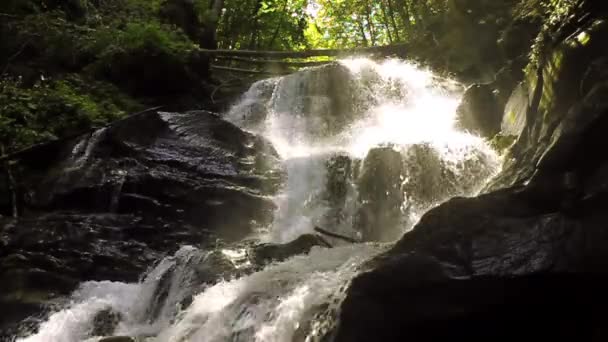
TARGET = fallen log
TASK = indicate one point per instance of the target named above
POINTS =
(384, 50)
(324, 242)
(273, 62)
(334, 235)
(249, 71)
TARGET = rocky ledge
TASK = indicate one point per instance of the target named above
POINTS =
(105, 206)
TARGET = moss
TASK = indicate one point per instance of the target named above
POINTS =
(53, 108)
(501, 143)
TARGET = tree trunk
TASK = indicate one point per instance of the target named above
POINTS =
(362, 30)
(278, 29)
(398, 49)
(216, 15)
(370, 24)
(404, 11)
(254, 29)
(386, 22)
(391, 13)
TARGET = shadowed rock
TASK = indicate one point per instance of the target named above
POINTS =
(107, 205)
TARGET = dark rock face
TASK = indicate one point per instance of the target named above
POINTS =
(193, 168)
(105, 322)
(380, 194)
(491, 267)
(325, 92)
(342, 171)
(480, 111)
(556, 108)
(109, 204)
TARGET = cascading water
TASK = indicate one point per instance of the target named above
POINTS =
(367, 147)
(315, 118)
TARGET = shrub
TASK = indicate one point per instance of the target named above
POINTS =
(51, 109)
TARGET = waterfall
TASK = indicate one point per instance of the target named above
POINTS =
(368, 148)
(347, 110)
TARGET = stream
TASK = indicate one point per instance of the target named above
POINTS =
(368, 148)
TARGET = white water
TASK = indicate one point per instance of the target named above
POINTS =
(395, 104)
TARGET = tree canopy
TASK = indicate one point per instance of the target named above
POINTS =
(68, 65)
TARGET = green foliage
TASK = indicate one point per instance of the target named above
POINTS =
(554, 14)
(53, 108)
(52, 52)
(264, 24)
(154, 37)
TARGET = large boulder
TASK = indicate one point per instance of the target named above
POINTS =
(106, 205)
(480, 112)
(496, 267)
(380, 215)
(194, 168)
(323, 96)
(340, 192)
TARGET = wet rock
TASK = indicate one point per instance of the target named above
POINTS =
(47, 256)
(480, 111)
(267, 253)
(493, 267)
(380, 195)
(426, 179)
(543, 109)
(118, 339)
(191, 270)
(340, 173)
(251, 111)
(105, 322)
(340, 192)
(191, 167)
(323, 93)
(107, 205)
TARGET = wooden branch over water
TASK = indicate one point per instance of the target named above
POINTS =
(249, 71)
(334, 235)
(382, 50)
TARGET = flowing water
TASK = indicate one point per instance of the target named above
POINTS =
(368, 147)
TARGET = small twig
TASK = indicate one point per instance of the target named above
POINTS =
(271, 62)
(247, 71)
(334, 235)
